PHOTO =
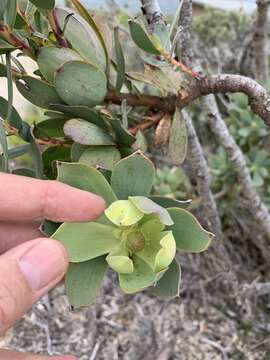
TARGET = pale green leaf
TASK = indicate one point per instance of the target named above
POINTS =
(142, 39)
(38, 92)
(86, 178)
(83, 281)
(86, 241)
(169, 284)
(50, 58)
(10, 13)
(120, 61)
(85, 133)
(82, 37)
(133, 176)
(142, 277)
(80, 83)
(188, 233)
(169, 202)
(178, 139)
(44, 4)
(104, 157)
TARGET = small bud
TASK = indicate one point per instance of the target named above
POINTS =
(135, 241)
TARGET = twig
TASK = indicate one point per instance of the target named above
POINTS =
(259, 98)
(202, 176)
(260, 41)
(148, 123)
(259, 102)
(215, 345)
(95, 351)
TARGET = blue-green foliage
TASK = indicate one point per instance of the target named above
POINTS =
(172, 182)
(252, 136)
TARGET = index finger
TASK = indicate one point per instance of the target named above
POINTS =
(23, 198)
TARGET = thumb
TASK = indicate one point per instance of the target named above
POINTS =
(10, 355)
(27, 272)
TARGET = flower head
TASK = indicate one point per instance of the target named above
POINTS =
(137, 236)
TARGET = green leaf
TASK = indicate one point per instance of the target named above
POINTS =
(169, 284)
(38, 92)
(141, 142)
(41, 23)
(165, 79)
(57, 115)
(6, 47)
(3, 70)
(168, 202)
(147, 206)
(81, 83)
(50, 128)
(44, 4)
(10, 13)
(24, 172)
(3, 6)
(120, 61)
(10, 88)
(104, 157)
(142, 277)
(51, 155)
(20, 22)
(188, 233)
(83, 281)
(86, 241)
(178, 139)
(50, 58)
(37, 158)
(15, 119)
(76, 152)
(85, 133)
(90, 20)
(163, 34)
(82, 37)
(127, 179)
(142, 39)
(48, 227)
(175, 20)
(122, 136)
(86, 178)
(82, 112)
(18, 151)
(4, 166)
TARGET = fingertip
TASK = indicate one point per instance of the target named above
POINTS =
(99, 205)
(89, 207)
(74, 205)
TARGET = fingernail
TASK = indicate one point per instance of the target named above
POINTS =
(43, 264)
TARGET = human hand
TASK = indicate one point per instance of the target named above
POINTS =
(30, 265)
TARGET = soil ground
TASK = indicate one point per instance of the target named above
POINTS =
(192, 327)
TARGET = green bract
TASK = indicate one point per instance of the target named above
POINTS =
(136, 237)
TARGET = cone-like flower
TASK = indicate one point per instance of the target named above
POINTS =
(137, 236)
(141, 223)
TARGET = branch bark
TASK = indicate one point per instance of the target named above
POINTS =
(260, 41)
(259, 102)
(196, 156)
(259, 98)
(152, 12)
(202, 175)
